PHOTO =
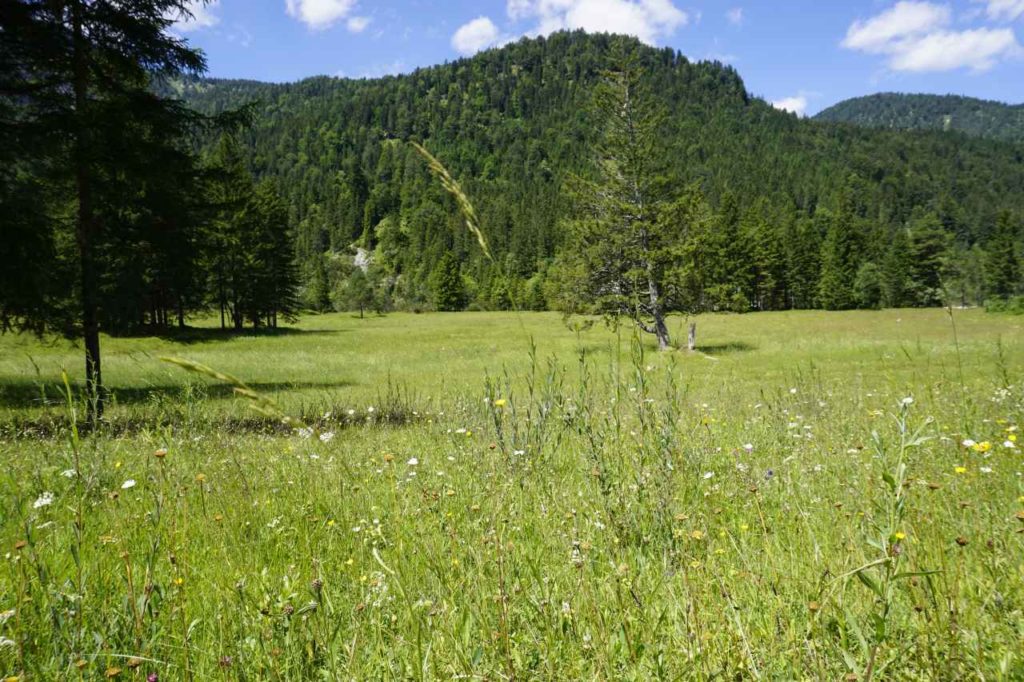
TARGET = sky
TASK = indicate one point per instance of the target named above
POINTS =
(800, 55)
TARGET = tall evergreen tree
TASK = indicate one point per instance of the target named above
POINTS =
(1002, 266)
(89, 65)
(623, 240)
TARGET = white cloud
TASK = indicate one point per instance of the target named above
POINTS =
(648, 20)
(735, 16)
(902, 22)
(203, 16)
(980, 49)
(474, 36)
(795, 105)
(320, 14)
(357, 24)
(1008, 10)
(915, 37)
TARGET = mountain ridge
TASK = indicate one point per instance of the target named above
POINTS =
(911, 111)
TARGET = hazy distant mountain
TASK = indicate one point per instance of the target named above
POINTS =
(975, 117)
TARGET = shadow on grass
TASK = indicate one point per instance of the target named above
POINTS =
(726, 348)
(211, 334)
(24, 394)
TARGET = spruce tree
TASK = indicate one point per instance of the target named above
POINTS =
(90, 65)
(623, 241)
(1002, 266)
(446, 284)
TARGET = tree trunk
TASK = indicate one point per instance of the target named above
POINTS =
(691, 339)
(85, 227)
(660, 328)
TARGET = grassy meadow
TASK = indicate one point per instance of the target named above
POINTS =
(496, 496)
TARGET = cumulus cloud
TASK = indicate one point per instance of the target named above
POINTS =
(475, 35)
(735, 16)
(980, 49)
(648, 20)
(914, 36)
(905, 21)
(322, 14)
(795, 105)
(1004, 10)
(203, 15)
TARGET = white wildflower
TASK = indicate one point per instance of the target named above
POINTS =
(413, 461)
(130, 483)
(68, 473)
(907, 402)
(326, 436)
(749, 447)
(968, 443)
(1009, 445)
(44, 500)
(708, 475)
(986, 470)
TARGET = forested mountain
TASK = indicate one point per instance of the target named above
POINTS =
(806, 213)
(975, 117)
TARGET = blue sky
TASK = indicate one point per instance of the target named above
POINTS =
(803, 55)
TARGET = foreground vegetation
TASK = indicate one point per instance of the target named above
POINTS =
(810, 496)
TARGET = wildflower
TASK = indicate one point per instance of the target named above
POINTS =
(899, 535)
(983, 446)
(708, 475)
(44, 500)
(130, 483)
(200, 478)
(792, 391)
(960, 470)
(749, 447)
(413, 461)
(968, 443)
(1009, 444)
(179, 581)
(326, 436)
(371, 409)
(152, 677)
(986, 470)
(500, 402)
(907, 402)
(697, 535)
(695, 564)
(68, 473)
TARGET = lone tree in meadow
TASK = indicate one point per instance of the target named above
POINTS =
(626, 239)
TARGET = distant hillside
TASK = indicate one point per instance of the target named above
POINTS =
(975, 117)
(514, 125)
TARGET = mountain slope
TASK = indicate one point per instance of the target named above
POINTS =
(513, 125)
(975, 117)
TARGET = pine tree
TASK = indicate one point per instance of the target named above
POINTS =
(90, 66)
(839, 262)
(623, 241)
(895, 271)
(1002, 266)
(446, 284)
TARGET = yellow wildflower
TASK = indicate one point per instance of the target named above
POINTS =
(961, 470)
(983, 446)
(900, 535)
(500, 402)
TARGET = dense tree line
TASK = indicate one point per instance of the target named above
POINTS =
(974, 117)
(799, 213)
(111, 220)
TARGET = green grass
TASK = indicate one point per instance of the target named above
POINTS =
(606, 521)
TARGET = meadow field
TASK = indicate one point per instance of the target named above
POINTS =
(498, 496)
